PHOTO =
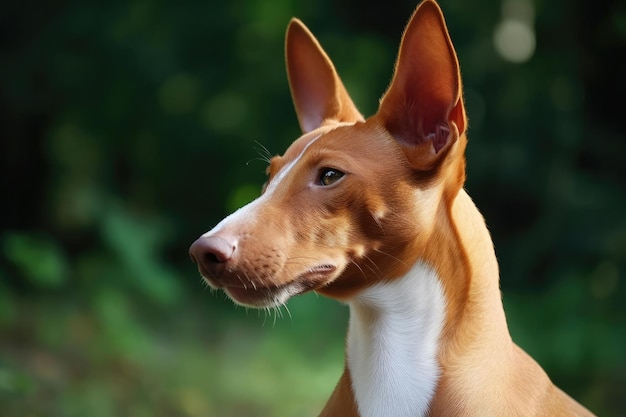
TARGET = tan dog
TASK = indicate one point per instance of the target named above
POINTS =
(373, 213)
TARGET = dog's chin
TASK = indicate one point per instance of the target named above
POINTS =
(274, 296)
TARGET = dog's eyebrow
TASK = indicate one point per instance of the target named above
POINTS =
(282, 173)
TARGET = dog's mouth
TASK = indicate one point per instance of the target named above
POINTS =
(253, 295)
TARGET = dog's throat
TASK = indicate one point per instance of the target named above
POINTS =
(393, 343)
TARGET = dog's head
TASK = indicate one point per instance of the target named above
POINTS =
(352, 201)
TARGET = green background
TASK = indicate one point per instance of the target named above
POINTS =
(128, 128)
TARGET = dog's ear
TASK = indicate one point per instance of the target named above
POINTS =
(423, 107)
(318, 93)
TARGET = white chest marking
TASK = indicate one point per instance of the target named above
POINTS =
(393, 343)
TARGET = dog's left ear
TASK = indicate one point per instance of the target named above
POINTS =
(423, 107)
(318, 93)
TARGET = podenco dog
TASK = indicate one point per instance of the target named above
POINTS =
(373, 212)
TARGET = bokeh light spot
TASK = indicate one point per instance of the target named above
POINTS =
(514, 40)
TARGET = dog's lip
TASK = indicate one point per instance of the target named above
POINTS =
(319, 269)
(256, 295)
(313, 274)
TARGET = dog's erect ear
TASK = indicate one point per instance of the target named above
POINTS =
(318, 93)
(423, 107)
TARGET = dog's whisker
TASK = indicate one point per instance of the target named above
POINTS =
(391, 256)
(353, 262)
(266, 310)
(264, 154)
(274, 310)
(374, 266)
(288, 312)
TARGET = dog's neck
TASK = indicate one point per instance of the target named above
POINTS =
(405, 333)
(393, 344)
(478, 312)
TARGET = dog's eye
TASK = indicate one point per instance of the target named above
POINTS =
(330, 176)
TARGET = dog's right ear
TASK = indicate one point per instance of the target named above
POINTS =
(318, 94)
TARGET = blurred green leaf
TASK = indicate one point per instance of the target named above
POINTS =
(136, 241)
(38, 258)
(119, 324)
(14, 382)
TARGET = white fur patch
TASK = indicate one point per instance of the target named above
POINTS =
(284, 172)
(393, 342)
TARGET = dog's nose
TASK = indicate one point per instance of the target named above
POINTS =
(211, 253)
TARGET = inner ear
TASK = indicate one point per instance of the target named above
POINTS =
(318, 94)
(423, 107)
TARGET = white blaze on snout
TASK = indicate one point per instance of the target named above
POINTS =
(284, 172)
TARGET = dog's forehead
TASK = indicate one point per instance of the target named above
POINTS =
(299, 145)
(322, 136)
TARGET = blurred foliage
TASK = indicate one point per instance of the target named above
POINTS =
(130, 127)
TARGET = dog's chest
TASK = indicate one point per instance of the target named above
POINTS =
(393, 342)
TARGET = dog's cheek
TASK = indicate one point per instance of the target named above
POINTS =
(333, 232)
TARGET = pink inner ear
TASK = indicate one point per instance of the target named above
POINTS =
(424, 96)
(439, 136)
(318, 93)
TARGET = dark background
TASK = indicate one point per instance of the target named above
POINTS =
(128, 128)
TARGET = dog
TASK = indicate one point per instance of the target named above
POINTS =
(372, 212)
